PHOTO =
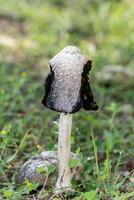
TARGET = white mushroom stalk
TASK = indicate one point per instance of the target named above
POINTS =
(64, 152)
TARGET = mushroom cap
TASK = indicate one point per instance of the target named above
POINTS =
(63, 85)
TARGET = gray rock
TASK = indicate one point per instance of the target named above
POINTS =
(32, 169)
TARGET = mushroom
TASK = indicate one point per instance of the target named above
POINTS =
(67, 90)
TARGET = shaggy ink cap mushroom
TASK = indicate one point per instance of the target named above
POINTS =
(67, 87)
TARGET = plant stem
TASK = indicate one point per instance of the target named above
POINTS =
(64, 151)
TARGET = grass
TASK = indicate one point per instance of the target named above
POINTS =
(35, 31)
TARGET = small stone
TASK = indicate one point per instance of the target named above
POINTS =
(30, 169)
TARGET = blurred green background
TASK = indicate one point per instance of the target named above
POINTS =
(31, 32)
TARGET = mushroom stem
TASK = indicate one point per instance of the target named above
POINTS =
(64, 151)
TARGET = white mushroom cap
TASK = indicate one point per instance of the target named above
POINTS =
(65, 80)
